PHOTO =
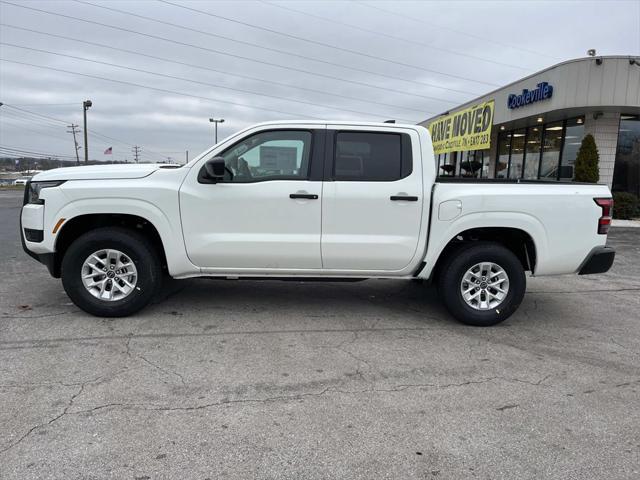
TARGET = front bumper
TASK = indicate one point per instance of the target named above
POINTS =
(47, 259)
(599, 260)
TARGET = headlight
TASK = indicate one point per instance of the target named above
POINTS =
(34, 188)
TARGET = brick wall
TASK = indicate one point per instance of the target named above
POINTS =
(605, 131)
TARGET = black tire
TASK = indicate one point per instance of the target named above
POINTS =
(136, 247)
(462, 259)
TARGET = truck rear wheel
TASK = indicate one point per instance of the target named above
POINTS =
(482, 284)
(111, 272)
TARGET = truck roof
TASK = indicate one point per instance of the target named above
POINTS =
(338, 122)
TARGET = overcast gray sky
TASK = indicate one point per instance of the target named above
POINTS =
(249, 61)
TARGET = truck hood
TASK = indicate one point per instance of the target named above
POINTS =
(100, 172)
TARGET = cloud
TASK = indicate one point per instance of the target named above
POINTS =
(416, 59)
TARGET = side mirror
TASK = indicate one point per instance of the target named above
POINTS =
(215, 168)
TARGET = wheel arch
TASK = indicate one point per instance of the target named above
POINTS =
(517, 240)
(80, 224)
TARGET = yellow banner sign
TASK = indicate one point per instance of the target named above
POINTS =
(468, 129)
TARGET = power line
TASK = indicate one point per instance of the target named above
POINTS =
(31, 117)
(17, 151)
(250, 59)
(8, 124)
(393, 37)
(461, 32)
(258, 79)
(43, 124)
(164, 90)
(10, 116)
(28, 152)
(94, 133)
(284, 52)
(22, 118)
(6, 154)
(40, 104)
(36, 114)
(198, 82)
(40, 132)
(136, 85)
(327, 45)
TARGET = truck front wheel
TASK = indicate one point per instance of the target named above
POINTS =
(482, 284)
(111, 272)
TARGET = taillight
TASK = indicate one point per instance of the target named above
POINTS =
(604, 222)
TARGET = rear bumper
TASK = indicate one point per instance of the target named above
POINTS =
(599, 260)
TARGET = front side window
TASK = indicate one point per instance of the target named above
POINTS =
(274, 155)
(368, 157)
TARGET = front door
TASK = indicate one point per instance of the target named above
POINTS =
(372, 200)
(265, 215)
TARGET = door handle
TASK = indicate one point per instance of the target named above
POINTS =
(308, 196)
(404, 198)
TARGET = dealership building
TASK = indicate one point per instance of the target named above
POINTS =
(532, 128)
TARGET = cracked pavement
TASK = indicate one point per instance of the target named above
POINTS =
(243, 379)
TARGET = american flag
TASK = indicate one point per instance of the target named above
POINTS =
(108, 151)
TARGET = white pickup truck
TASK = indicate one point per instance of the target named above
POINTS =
(311, 200)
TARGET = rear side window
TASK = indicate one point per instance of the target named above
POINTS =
(372, 157)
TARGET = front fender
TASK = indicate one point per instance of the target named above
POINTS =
(170, 233)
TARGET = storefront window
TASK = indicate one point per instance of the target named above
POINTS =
(485, 158)
(626, 173)
(441, 159)
(540, 151)
(447, 165)
(551, 145)
(532, 157)
(574, 131)
(517, 154)
(457, 160)
(465, 165)
(502, 162)
(472, 164)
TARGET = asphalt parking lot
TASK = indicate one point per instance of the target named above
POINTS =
(369, 380)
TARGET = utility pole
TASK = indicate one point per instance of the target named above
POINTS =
(216, 122)
(73, 128)
(136, 152)
(85, 106)
(186, 156)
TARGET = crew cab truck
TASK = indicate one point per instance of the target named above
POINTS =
(311, 200)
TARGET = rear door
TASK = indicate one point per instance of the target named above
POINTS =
(372, 198)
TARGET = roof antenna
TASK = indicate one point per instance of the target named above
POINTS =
(389, 121)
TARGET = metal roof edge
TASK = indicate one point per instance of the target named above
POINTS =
(557, 65)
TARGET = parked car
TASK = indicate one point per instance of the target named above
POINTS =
(311, 200)
(21, 181)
